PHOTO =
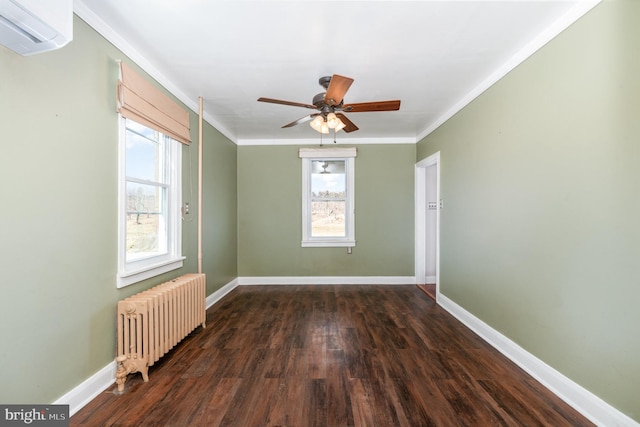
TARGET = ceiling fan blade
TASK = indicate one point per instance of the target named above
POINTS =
(362, 107)
(338, 86)
(301, 120)
(349, 125)
(293, 104)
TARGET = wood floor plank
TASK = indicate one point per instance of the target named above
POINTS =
(339, 412)
(361, 404)
(343, 355)
(215, 406)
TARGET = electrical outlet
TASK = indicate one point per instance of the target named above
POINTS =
(186, 208)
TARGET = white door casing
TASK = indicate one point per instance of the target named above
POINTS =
(427, 222)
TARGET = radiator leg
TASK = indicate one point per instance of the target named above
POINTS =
(128, 366)
(125, 367)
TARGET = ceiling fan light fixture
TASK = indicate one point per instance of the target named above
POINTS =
(316, 123)
(319, 125)
(332, 120)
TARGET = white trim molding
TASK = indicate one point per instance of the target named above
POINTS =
(98, 24)
(588, 404)
(316, 141)
(327, 280)
(89, 389)
(328, 152)
(220, 293)
(101, 27)
(575, 13)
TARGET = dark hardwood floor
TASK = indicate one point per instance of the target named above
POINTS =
(331, 356)
(429, 289)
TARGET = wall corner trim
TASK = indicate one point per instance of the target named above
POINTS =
(588, 404)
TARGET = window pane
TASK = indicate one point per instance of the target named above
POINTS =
(143, 156)
(328, 179)
(145, 224)
(141, 129)
(327, 218)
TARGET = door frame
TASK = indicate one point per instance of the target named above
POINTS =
(421, 218)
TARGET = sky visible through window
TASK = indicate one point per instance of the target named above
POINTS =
(142, 149)
(332, 181)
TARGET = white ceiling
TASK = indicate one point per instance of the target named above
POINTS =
(435, 56)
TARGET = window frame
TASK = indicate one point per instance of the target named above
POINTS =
(308, 155)
(130, 272)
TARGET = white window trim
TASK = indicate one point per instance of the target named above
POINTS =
(329, 154)
(136, 271)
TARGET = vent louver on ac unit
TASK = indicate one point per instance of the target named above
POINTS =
(32, 26)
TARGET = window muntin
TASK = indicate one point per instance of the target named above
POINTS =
(150, 198)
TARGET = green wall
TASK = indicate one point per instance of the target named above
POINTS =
(540, 231)
(58, 168)
(270, 215)
(219, 216)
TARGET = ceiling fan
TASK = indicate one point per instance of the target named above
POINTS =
(331, 106)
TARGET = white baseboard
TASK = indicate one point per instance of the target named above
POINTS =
(217, 295)
(327, 280)
(79, 396)
(582, 400)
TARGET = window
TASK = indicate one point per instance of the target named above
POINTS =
(149, 203)
(328, 218)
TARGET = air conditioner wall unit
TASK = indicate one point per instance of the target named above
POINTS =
(32, 26)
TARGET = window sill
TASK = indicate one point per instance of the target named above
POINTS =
(130, 277)
(328, 243)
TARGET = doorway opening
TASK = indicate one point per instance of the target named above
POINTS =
(427, 216)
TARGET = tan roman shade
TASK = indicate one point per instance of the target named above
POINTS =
(142, 102)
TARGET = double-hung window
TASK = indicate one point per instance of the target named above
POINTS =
(152, 128)
(149, 201)
(328, 211)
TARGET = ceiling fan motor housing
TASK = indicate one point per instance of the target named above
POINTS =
(324, 81)
(321, 105)
(318, 100)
